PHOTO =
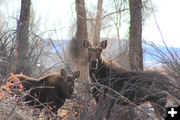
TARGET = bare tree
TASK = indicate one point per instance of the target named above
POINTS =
(81, 33)
(22, 37)
(135, 35)
(97, 29)
(117, 21)
(121, 8)
(77, 52)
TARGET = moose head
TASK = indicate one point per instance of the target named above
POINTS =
(69, 79)
(94, 52)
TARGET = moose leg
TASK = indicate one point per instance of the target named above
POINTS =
(156, 109)
(158, 101)
(159, 108)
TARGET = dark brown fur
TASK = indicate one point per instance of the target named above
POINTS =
(50, 90)
(138, 87)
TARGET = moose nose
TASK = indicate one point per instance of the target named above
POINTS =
(93, 64)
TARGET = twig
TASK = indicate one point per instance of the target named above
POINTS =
(67, 66)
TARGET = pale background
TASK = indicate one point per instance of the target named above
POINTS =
(60, 14)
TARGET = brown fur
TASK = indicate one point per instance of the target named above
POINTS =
(51, 90)
(138, 87)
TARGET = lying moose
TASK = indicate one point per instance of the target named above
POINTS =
(137, 87)
(50, 90)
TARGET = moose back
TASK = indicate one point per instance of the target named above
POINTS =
(50, 90)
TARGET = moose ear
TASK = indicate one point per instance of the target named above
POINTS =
(103, 44)
(76, 74)
(86, 44)
(63, 73)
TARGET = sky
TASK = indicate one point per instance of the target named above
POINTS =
(60, 14)
(168, 17)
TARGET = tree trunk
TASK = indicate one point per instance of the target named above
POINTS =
(76, 50)
(97, 29)
(135, 36)
(22, 38)
(81, 33)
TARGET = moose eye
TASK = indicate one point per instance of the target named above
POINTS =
(70, 79)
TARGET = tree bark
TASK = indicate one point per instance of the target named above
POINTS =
(81, 33)
(135, 36)
(97, 29)
(76, 50)
(22, 37)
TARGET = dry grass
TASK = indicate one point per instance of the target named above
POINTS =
(13, 107)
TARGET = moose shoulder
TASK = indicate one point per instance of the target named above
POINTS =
(99, 67)
(50, 90)
(138, 87)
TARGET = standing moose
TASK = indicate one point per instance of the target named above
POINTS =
(50, 90)
(138, 87)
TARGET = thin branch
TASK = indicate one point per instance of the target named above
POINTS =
(109, 14)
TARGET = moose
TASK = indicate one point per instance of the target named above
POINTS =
(137, 87)
(50, 90)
